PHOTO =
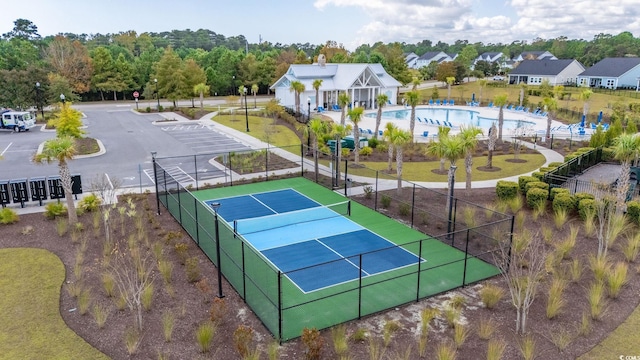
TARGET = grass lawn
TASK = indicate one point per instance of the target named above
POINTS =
(621, 342)
(422, 171)
(260, 128)
(30, 325)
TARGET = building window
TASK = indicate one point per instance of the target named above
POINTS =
(610, 83)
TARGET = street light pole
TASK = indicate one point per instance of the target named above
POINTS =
(215, 206)
(246, 110)
(39, 101)
(62, 99)
(308, 121)
(157, 94)
(155, 180)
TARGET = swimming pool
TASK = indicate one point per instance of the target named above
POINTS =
(457, 117)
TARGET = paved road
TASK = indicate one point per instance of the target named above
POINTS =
(129, 139)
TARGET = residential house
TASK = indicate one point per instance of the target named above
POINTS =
(428, 57)
(410, 59)
(535, 55)
(363, 83)
(490, 57)
(558, 72)
(613, 73)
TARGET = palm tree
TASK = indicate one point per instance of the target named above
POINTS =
(625, 149)
(343, 101)
(412, 98)
(355, 115)
(450, 81)
(436, 148)
(338, 132)
(523, 88)
(382, 102)
(500, 101)
(398, 138)
(297, 88)
(388, 132)
(470, 140)
(415, 82)
(585, 96)
(316, 86)
(491, 144)
(200, 89)
(316, 128)
(254, 91)
(550, 104)
(481, 83)
(454, 150)
(61, 150)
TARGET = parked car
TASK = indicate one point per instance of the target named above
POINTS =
(498, 78)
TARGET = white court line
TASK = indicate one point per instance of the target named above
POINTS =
(7, 148)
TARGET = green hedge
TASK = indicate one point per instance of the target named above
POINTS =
(522, 182)
(538, 175)
(506, 190)
(556, 191)
(536, 184)
(536, 198)
(570, 157)
(584, 206)
(564, 202)
(633, 211)
(546, 169)
(608, 154)
(582, 195)
(555, 164)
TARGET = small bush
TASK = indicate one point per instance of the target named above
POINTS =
(522, 183)
(313, 343)
(89, 203)
(404, 209)
(538, 175)
(555, 164)
(633, 211)
(373, 143)
(555, 191)
(100, 314)
(368, 191)
(182, 250)
(8, 216)
(147, 297)
(486, 328)
(491, 295)
(495, 349)
(242, 339)
(366, 151)
(168, 322)
(54, 210)
(204, 336)
(563, 202)
(506, 190)
(385, 200)
(536, 184)
(536, 198)
(587, 209)
(193, 270)
(218, 310)
(616, 279)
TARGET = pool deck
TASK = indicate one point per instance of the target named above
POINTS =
(539, 127)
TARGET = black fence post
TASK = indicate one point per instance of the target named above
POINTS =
(360, 286)
(346, 178)
(195, 166)
(280, 307)
(302, 160)
(375, 203)
(466, 255)
(419, 270)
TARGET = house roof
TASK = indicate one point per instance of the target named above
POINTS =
(490, 54)
(430, 55)
(334, 76)
(542, 67)
(612, 67)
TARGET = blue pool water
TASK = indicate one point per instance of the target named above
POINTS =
(457, 117)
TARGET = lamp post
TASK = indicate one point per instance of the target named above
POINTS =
(62, 98)
(308, 121)
(39, 100)
(155, 180)
(215, 206)
(246, 110)
(233, 81)
(157, 94)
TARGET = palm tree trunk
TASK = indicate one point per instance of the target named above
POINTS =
(468, 164)
(201, 100)
(399, 167)
(356, 145)
(65, 180)
(378, 119)
(500, 122)
(390, 150)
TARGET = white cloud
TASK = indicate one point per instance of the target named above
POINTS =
(504, 21)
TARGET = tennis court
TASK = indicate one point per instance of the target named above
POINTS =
(294, 232)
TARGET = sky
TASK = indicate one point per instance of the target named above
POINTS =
(348, 22)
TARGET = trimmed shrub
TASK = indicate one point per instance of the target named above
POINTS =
(8, 216)
(536, 184)
(556, 191)
(366, 151)
(536, 198)
(522, 183)
(506, 190)
(54, 210)
(89, 203)
(373, 143)
(564, 202)
(581, 196)
(570, 157)
(545, 169)
(633, 211)
(538, 175)
(554, 164)
(608, 154)
(584, 206)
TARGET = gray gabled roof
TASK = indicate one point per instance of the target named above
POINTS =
(430, 55)
(612, 67)
(542, 67)
(334, 76)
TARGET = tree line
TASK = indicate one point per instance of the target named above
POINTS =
(171, 64)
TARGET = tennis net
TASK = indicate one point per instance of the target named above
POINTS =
(268, 222)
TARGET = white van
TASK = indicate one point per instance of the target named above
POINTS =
(17, 121)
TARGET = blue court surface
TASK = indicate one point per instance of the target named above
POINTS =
(313, 245)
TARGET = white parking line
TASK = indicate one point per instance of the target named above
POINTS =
(5, 149)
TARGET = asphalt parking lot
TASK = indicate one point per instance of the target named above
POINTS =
(129, 139)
